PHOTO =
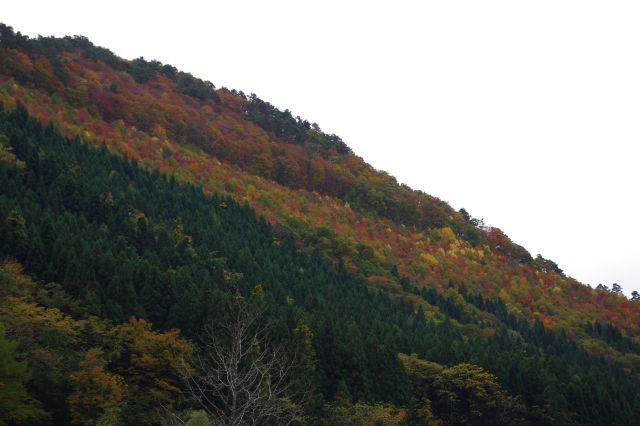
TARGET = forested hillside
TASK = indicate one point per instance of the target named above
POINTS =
(140, 206)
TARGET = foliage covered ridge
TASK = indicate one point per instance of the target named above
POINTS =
(243, 146)
(193, 195)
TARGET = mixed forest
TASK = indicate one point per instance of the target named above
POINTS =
(176, 253)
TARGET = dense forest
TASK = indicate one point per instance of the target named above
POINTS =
(143, 213)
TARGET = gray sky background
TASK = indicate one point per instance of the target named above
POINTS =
(525, 113)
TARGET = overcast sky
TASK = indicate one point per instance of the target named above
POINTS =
(525, 113)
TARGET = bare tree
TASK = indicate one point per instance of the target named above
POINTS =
(239, 378)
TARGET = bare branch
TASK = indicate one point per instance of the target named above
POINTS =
(239, 378)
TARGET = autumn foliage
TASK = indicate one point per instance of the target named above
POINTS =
(313, 191)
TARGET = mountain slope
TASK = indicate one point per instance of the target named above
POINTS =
(286, 168)
(172, 255)
(324, 201)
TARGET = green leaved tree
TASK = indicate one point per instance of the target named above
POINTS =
(16, 405)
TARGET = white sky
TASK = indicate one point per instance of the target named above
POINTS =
(525, 113)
